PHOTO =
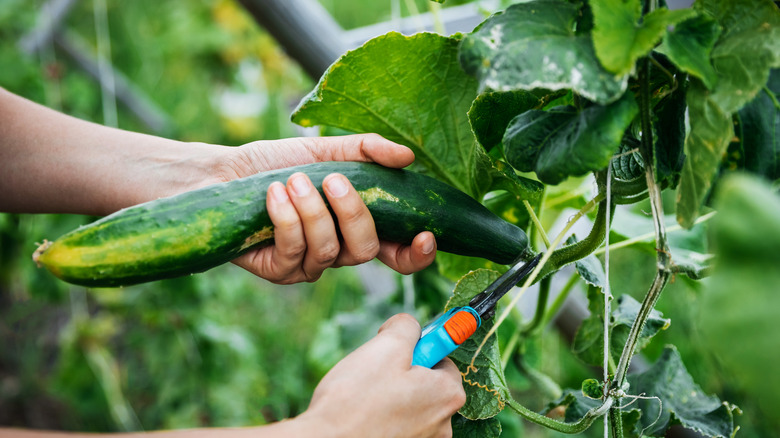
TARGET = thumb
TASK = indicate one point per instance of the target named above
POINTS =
(403, 328)
(361, 147)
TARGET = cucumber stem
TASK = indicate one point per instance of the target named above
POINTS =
(662, 248)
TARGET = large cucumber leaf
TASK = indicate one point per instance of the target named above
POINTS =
(564, 142)
(407, 89)
(681, 402)
(619, 37)
(535, 45)
(462, 427)
(487, 384)
(747, 49)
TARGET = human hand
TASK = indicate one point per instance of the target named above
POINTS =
(306, 241)
(375, 391)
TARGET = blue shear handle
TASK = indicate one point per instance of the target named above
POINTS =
(435, 343)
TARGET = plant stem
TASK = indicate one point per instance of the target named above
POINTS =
(616, 422)
(772, 97)
(571, 428)
(541, 306)
(537, 223)
(662, 248)
(435, 10)
(586, 246)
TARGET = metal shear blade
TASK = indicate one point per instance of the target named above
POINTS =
(485, 302)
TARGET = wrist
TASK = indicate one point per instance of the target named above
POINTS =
(310, 423)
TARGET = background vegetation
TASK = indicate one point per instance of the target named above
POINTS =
(225, 348)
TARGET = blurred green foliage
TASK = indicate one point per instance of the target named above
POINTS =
(218, 349)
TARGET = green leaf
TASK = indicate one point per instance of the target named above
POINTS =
(564, 142)
(491, 112)
(588, 342)
(738, 310)
(481, 403)
(534, 45)
(592, 388)
(689, 46)
(709, 137)
(409, 89)
(758, 127)
(679, 400)
(620, 39)
(462, 427)
(591, 270)
(746, 50)
(623, 318)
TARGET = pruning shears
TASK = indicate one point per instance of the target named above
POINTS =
(447, 332)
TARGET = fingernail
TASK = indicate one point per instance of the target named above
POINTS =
(336, 186)
(278, 192)
(300, 185)
(427, 246)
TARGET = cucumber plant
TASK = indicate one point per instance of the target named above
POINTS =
(660, 109)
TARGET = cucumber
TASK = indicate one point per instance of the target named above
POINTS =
(198, 230)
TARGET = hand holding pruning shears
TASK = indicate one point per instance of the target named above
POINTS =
(446, 333)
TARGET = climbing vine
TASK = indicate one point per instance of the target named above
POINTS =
(633, 98)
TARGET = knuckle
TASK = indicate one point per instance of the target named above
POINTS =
(311, 277)
(287, 223)
(294, 250)
(316, 215)
(354, 214)
(367, 252)
(290, 276)
(459, 397)
(327, 253)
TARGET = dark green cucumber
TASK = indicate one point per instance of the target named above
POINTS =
(198, 230)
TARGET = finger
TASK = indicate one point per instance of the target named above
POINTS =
(457, 397)
(360, 242)
(289, 240)
(404, 328)
(412, 258)
(447, 366)
(361, 147)
(322, 245)
(280, 262)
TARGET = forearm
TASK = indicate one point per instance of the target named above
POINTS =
(299, 426)
(51, 162)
